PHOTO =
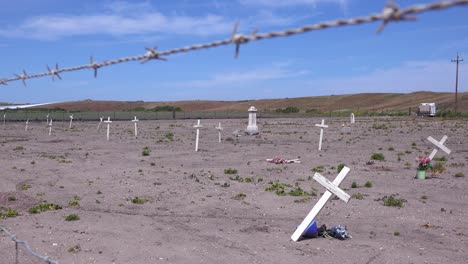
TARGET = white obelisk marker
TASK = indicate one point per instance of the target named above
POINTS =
(100, 122)
(352, 118)
(439, 144)
(332, 188)
(197, 126)
(50, 127)
(108, 121)
(322, 126)
(71, 121)
(135, 120)
(219, 128)
(26, 128)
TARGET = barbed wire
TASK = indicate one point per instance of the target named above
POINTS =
(26, 245)
(390, 13)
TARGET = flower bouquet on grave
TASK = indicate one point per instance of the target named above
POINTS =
(423, 165)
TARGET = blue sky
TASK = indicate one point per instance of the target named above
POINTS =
(405, 57)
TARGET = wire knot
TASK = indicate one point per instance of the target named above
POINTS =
(152, 54)
(55, 72)
(94, 65)
(391, 12)
(23, 77)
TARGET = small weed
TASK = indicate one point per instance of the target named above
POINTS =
(358, 196)
(74, 249)
(396, 233)
(11, 198)
(25, 186)
(340, 167)
(19, 148)
(392, 201)
(368, 184)
(408, 152)
(413, 144)
(10, 212)
(98, 192)
(33, 162)
(318, 169)
(72, 217)
(302, 200)
(278, 188)
(298, 192)
(146, 151)
(137, 200)
(424, 197)
(354, 185)
(153, 164)
(438, 167)
(76, 198)
(379, 126)
(239, 196)
(459, 175)
(230, 171)
(391, 149)
(260, 179)
(442, 159)
(74, 203)
(169, 136)
(378, 156)
(44, 207)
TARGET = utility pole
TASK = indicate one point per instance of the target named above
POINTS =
(456, 82)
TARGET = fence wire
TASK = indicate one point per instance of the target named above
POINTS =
(390, 13)
(18, 242)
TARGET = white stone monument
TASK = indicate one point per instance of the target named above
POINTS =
(352, 118)
(332, 188)
(252, 128)
(439, 144)
(322, 126)
(26, 128)
(135, 120)
(219, 128)
(71, 121)
(50, 127)
(100, 122)
(197, 126)
(108, 122)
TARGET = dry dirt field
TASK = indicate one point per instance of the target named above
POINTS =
(195, 213)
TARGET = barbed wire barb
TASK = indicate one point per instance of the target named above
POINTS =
(55, 72)
(390, 13)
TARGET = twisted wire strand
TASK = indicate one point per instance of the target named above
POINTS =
(26, 245)
(390, 13)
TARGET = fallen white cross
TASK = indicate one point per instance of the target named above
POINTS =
(26, 128)
(135, 120)
(100, 122)
(352, 118)
(197, 126)
(71, 121)
(50, 127)
(439, 144)
(219, 128)
(108, 121)
(332, 188)
(322, 126)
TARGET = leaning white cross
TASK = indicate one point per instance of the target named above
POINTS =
(71, 121)
(322, 126)
(135, 120)
(332, 188)
(439, 144)
(26, 128)
(50, 127)
(197, 126)
(100, 122)
(219, 128)
(108, 121)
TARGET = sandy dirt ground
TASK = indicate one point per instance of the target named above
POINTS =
(193, 212)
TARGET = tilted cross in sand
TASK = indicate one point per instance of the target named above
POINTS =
(71, 121)
(135, 120)
(100, 122)
(108, 122)
(332, 188)
(197, 126)
(439, 144)
(322, 126)
(50, 127)
(219, 128)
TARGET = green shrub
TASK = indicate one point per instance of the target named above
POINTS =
(25, 186)
(9, 212)
(169, 136)
(358, 196)
(354, 185)
(318, 169)
(378, 156)
(239, 196)
(137, 200)
(392, 201)
(438, 167)
(72, 217)
(340, 167)
(146, 151)
(459, 175)
(298, 192)
(230, 171)
(278, 188)
(44, 207)
(443, 158)
(368, 184)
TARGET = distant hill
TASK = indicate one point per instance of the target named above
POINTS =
(355, 102)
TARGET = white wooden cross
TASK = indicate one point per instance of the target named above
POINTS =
(108, 121)
(352, 118)
(26, 128)
(47, 116)
(50, 127)
(100, 122)
(197, 126)
(4, 117)
(439, 144)
(71, 121)
(332, 188)
(322, 126)
(219, 128)
(135, 120)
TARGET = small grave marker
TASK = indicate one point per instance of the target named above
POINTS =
(71, 121)
(135, 120)
(108, 122)
(50, 127)
(219, 128)
(47, 117)
(252, 128)
(352, 118)
(439, 144)
(197, 126)
(322, 126)
(100, 122)
(4, 118)
(332, 188)
(26, 128)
